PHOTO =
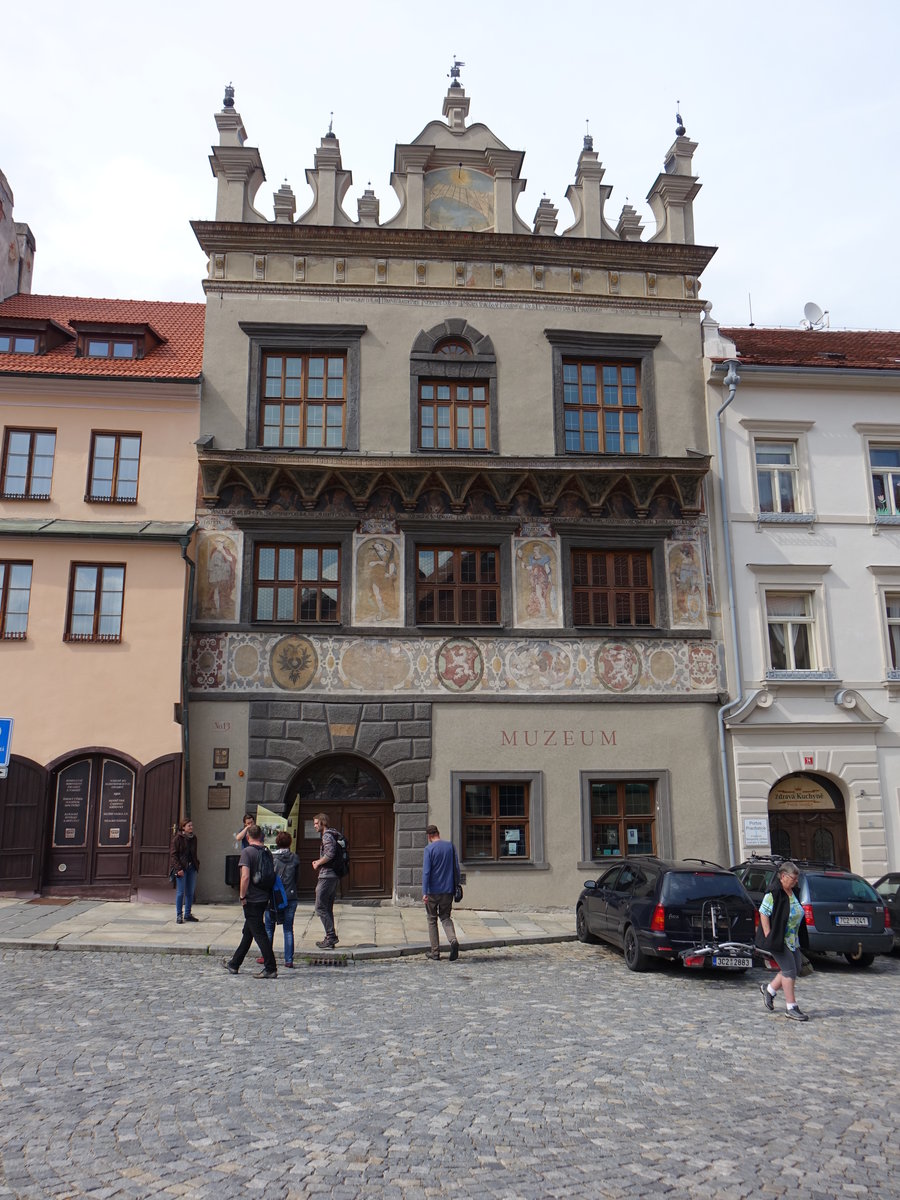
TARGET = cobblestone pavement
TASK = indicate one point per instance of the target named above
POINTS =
(533, 1071)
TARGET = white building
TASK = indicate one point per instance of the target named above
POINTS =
(811, 436)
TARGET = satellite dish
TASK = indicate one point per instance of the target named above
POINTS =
(813, 314)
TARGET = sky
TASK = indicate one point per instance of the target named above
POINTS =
(106, 123)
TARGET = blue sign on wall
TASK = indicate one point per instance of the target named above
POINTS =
(6, 727)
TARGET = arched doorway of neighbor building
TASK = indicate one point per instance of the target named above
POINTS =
(359, 802)
(807, 819)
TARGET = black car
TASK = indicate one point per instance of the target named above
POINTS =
(693, 912)
(888, 888)
(844, 913)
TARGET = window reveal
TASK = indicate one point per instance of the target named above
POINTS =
(885, 463)
(115, 458)
(777, 477)
(304, 400)
(28, 464)
(297, 584)
(892, 610)
(789, 616)
(457, 585)
(96, 595)
(622, 818)
(453, 416)
(15, 594)
(601, 408)
(612, 587)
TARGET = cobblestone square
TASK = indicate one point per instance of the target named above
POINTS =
(534, 1071)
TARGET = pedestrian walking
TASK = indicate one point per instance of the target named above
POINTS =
(255, 900)
(287, 864)
(783, 925)
(184, 862)
(327, 882)
(240, 838)
(440, 876)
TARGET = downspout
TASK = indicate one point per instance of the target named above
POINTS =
(731, 381)
(185, 639)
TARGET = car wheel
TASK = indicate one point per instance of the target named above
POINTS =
(635, 958)
(581, 929)
(861, 960)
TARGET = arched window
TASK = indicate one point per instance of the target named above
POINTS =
(453, 378)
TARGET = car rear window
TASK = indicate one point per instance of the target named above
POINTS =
(679, 886)
(839, 889)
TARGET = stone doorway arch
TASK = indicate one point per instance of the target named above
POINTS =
(808, 820)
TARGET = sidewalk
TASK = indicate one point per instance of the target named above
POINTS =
(365, 932)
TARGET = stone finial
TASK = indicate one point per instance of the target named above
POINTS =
(672, 195)
(588, 140)
(629, 228)
(237, 167)
(680, 130)
(545, 218)
(368, 207)
(285, 204)
(588, 196)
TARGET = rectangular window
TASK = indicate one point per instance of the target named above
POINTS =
(601, 407)
(28, 464)
(304, 400)
(457, 585)
(115, 458)
(789, 616)
(96, 594)
(297, 584)
(622, 818)
(15, 593)
(11, 343)
(453, 416)
(892, 611)
(109, 348)
(776, 477)
(612, 587)
(885, 462)
(495, 821)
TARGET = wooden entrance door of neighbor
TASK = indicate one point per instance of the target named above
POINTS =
(358, 803)
(23, 806)
(807, 819)
(92, 824)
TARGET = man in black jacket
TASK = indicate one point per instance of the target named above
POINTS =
(255, 900)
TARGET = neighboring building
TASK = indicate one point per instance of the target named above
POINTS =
(453, 555)
(16, 247)
(812, 458)
(99, 413)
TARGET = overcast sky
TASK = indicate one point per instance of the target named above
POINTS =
(107, 124)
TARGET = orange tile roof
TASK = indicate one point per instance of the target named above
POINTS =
(180, 356)
(862, 349)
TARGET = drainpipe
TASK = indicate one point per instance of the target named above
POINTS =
(185, 637)
(731, 381)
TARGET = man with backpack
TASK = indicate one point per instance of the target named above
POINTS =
(257, 880)
(327, 884)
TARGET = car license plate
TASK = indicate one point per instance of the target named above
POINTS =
(725, 960)
(851, 921)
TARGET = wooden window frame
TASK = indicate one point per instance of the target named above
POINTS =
(29, 478)
(6, 566)
(456, 405)
(457, 586)
(498, 823)
(890, 480)
(474, 366)
(90, 496)
(296, 585)
(778, 472)
(100, 592)
(13, 338)
(620, 819)
(600, 408)
(808, 621)
(111, 342)
(612, 593)
(305, 403)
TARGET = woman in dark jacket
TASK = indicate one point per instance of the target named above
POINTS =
(286, 866)
(782, 921)
(184, 862)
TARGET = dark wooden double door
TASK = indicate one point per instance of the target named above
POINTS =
(814, 836)
(94, 824)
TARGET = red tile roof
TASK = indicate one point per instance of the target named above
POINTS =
(863, 349)
(179, 357)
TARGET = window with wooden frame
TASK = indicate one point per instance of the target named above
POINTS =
(15, 594)
(28, 464)
(790, 619)
(96, 597)
(113, 470)
(304, 400)
(297, 584)
(612, 587)
(457, 585)
(777, 476)
(495, 821)
(885, 464)
(97, 347)
(453, 416)
(601, 407)
(18, 343)
(622, 817)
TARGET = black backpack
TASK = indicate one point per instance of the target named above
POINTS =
(340, 864)
(263, 874)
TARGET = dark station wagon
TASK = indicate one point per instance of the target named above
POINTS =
(693, 912)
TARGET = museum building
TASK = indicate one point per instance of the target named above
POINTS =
(452, 551)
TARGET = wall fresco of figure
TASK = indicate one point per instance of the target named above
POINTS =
(378, 579)
(687, 586)
(537, 594)
(218, 570)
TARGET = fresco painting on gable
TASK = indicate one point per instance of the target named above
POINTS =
(457, 198)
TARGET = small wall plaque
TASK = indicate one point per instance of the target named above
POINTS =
(220, 758)
(218, 796)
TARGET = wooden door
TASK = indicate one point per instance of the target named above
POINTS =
(817, 836)
(92, 823)
(23, 807)
(158, 809)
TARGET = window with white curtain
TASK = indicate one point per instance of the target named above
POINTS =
(790, 618)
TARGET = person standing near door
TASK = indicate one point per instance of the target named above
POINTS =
(287, 864)
(327, 883)
(440, 875)
(255, 901)
(184, 862)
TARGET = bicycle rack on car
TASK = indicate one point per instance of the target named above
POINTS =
(713, 950)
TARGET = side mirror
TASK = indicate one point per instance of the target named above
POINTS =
(590, 884)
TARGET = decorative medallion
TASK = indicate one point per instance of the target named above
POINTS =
(246, 661)
(375, 664)
(208, 665)
(618, 666)
(294, 663)
(459, 665)
(662, 666)
(702, 665)
(538, 666)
